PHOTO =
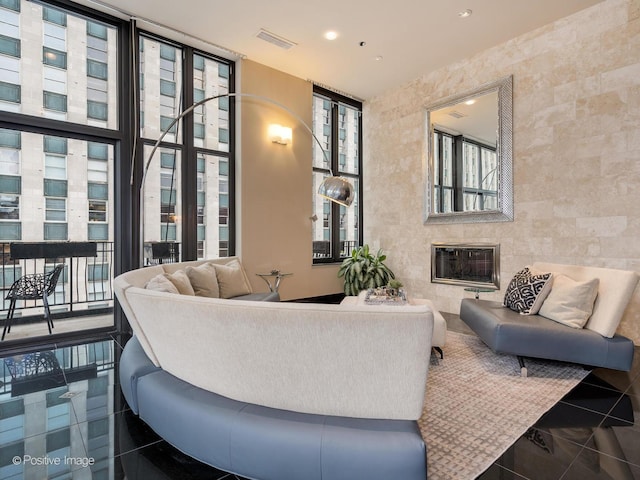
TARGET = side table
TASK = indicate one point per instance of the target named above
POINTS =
(479, 290)
(277, 276)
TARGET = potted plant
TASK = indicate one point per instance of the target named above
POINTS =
(394, 286)
(363, 270)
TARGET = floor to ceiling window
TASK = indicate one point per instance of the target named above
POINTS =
(60, 130)
(337, 123)
(67, 132)
(194, 163)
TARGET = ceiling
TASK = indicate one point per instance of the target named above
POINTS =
(404, 39)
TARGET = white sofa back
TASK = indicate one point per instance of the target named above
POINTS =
(356, 361)
(614, 292)
(140, 278)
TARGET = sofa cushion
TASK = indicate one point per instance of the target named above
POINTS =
(181, 282)
(527, 290)
(232, 280)
(570, 302)
(204, 280)
(160, 283)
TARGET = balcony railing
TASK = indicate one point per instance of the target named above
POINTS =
(322, 248)
(84, 288)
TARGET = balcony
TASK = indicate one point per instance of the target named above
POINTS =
(83, 298)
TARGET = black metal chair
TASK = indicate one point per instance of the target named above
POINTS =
(32, 287)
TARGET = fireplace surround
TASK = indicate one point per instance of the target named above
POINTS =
(466, 264)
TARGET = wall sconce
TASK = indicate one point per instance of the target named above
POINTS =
(280, 134)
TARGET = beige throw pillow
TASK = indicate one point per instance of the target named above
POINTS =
(204, 281)
(231, 280)
(181, 282)
(160, 283)
(570, 302)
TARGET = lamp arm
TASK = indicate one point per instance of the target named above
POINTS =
(228, 95)
(186, 112)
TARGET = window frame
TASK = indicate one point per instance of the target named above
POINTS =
(184, 141)
(333, 125)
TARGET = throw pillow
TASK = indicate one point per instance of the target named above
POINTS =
(231, 279)
(203, 280)
(160, 283)
(570, 302)
(527, 291)
(181, 282)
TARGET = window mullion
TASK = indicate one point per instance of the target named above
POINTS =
(335, 208)
(189, 167)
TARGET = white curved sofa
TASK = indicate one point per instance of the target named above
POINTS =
(278, 390)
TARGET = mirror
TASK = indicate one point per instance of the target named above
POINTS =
(469, 160)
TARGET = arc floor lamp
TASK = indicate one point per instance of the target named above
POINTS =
(334, 188)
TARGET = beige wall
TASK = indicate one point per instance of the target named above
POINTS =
(274, 184)
(576, 155)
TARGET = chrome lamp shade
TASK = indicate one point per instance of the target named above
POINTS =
(337, 189)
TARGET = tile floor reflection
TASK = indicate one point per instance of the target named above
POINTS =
(62, 416)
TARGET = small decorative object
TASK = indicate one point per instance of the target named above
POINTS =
(275, 272)
(385, 296)
(394, 287)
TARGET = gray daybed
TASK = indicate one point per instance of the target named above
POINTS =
(597, 344)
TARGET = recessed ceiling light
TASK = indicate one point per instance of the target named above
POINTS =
(378, 58)
(465, 13)
(331, 35)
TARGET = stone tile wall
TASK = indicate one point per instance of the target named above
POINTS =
(576, 155)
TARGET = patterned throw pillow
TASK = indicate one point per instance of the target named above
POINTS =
(526, 291)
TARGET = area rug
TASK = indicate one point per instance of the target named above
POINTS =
(477, 405)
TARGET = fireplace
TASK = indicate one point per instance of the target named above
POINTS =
(466, 264)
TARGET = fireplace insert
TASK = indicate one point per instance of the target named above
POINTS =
(466, 264)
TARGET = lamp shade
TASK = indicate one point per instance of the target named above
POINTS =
(337, 189)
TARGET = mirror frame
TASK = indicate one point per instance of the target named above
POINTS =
(504, 212)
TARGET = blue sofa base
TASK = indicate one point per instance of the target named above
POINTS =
(506, 331)
(265, 443)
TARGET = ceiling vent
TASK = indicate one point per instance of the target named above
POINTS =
(456, 114)
(275, 39)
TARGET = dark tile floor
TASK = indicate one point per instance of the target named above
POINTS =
(62, 416)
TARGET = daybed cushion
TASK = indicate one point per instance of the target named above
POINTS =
(570, 302)
(506, 331)
(614, 292)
